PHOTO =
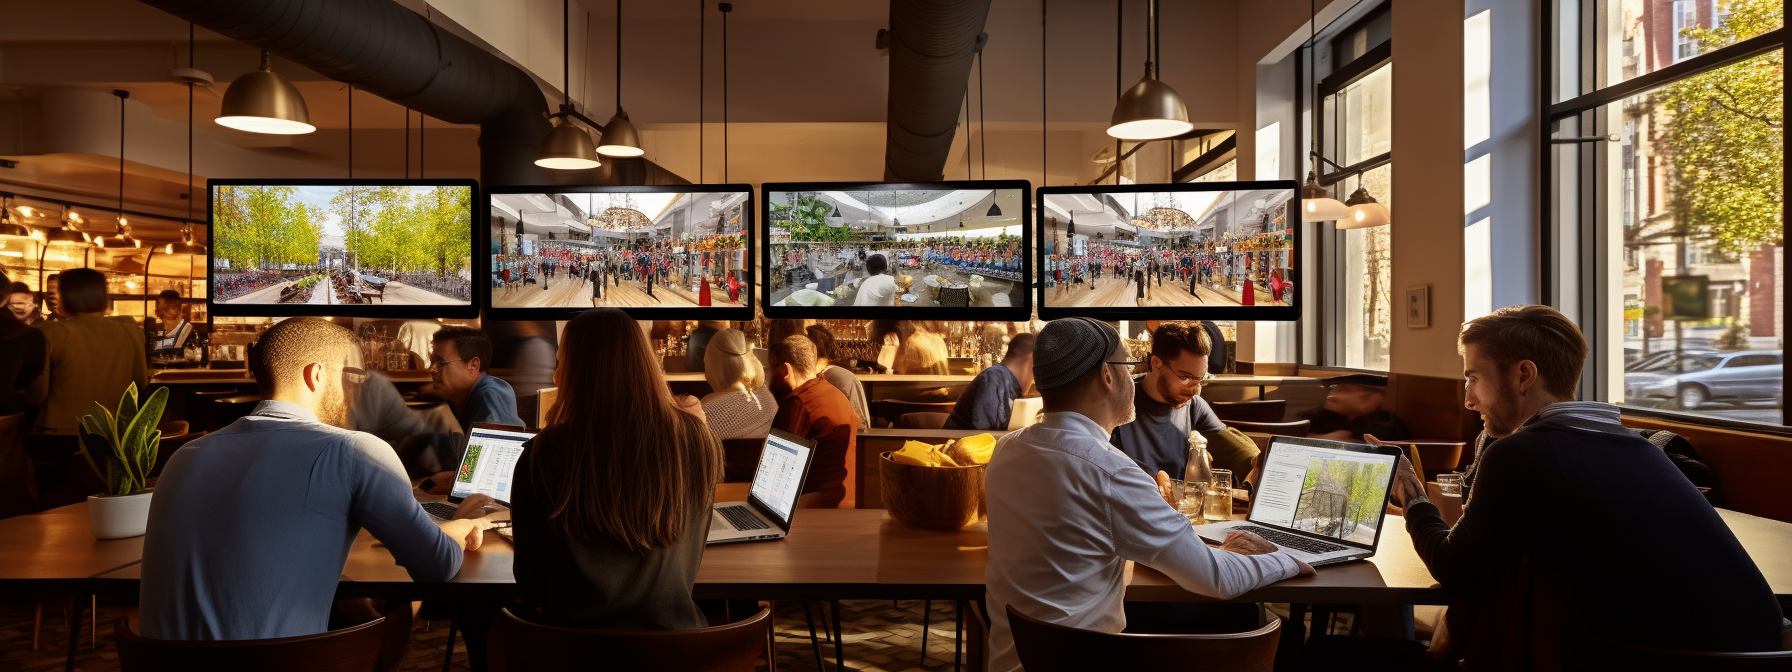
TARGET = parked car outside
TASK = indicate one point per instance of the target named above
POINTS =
(1694, 379)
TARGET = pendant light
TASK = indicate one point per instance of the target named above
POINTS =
(264, 102)
(1150, 110)
(1364, 211)
(567, 147)
(620, 138)
(8, 227)
(123, 230)
(1316, 202)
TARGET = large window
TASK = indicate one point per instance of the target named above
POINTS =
(1353, 133)
(1665, 218)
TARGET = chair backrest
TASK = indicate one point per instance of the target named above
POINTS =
(165, 449)
(1047, 647)
(525, 647)
(1296, 428)
(544, 402)
(1439, 456)
(740, 457)
(922, 420)
(352, 649)
(1259, 410)
(892, 410)
(1613, 655)
(18, 477)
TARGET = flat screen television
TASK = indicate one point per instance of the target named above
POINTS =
(1193, 251)
(679, 252)
(357, 248)
(936, 251)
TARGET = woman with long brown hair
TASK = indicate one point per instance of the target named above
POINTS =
(612, 499)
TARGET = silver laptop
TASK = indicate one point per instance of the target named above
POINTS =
(486, 468)
(771, 501)
(1322, 501)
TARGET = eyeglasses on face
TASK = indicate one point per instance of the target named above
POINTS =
(437, 364)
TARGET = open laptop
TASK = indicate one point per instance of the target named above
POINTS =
(486, 467)
(771, 501)
(1322, 501)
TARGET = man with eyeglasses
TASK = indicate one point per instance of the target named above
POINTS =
(458, 360)
(1067, 510)
(1168, 404)
(250, 524)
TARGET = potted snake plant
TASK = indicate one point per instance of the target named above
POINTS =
(121, 448)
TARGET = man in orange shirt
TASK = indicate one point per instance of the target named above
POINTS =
(812, 408)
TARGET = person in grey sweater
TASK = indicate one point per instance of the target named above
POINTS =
(250, 525)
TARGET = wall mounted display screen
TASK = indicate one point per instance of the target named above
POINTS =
(361, 248)
(663, 252)
(942, 250)
(1214, 250)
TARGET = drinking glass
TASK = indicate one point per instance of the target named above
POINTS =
(1188, 498)
(1217, 504)
(1450, 484)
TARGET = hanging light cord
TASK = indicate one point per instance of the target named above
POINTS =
(351, 131)
(1044, 43)
(618, 55)
(1119, 78)
(407, 143)
(702, 67)
(122, 94)
(726, 8)
(983, 137)
(190, 43)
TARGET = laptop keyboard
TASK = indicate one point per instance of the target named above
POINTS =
(1294, 541)
(441, 510)
(741, 518)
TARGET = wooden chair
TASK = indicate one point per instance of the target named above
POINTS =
(1047, 647)
(1296, 428)
(1259, 410)
(169, 444)
(922, 420)
(519, 645)
(1600, 653)
(739, 458)
(352, 649)
(1438, 456)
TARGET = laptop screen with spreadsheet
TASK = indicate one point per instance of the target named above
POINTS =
(489, 464)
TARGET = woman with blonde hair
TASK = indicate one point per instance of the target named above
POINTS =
(741, 407)
(612, 499)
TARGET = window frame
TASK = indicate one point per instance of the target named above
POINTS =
(1590, 212)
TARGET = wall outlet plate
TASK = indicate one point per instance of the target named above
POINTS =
(1418, 307)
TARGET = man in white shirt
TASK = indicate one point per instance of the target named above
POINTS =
(1067, 508)
(879, 289)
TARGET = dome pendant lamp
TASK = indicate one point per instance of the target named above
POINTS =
(567, 147)
(1364, 212)
(264, 102)
(1316, 202)
(1150, 110)
(620, 139)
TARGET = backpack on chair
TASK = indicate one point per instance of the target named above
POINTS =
(1685, 458)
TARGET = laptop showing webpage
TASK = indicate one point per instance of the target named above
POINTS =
(485, 469)
(771, 500)
(1322, 501)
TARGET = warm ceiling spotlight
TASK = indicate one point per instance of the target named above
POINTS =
(1150, 110)
(620, 138)
(1317, 204)
(567, 147)
(264, 102)
(1365, 212)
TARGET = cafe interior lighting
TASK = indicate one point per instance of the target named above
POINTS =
(620, 138)
(567, 147)
(265, 102)
(1151, 109)
(8, 227)
(1364, 212)
(1316, 202)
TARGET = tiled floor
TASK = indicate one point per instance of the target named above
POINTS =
(881, 636)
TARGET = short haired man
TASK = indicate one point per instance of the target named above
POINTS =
(458, 362)
(89, 358)
(22, 302)
(173, 316)
(1067, 509)
(1571, 507)
(836, 375)
(1169, 407)
(251, 524)
(810, 407)
(1355, 405)
(988, 401)
(879, 289)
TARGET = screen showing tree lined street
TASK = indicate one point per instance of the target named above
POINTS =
(342, 245)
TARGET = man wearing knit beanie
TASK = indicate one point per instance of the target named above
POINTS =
(1067, 508)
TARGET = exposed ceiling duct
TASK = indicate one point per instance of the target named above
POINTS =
(392, 52)
(932, 44)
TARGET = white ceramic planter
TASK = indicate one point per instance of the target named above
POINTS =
(118, 517)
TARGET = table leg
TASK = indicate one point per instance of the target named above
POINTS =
(839, 638)
(74, 632)
(958, 637)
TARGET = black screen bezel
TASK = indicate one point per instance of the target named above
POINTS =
(744, 313)
(380, 310)
(1289, 313)
(1020, 313)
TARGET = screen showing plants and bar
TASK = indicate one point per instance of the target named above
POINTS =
(955, 250)
(1182, 251)
(659, 251)
(342, 248)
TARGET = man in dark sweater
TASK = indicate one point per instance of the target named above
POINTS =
(1569, 528)
(1168, 406)
(988, 401)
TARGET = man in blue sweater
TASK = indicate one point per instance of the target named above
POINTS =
(1576, 524)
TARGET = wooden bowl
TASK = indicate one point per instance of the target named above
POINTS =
(938, 498)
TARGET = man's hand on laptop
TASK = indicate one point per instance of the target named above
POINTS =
(469, 533)
(439, 484)
(1407, 483)
(1245, 543)
(476, 505)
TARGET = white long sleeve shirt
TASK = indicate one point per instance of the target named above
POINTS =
(1066, 511)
